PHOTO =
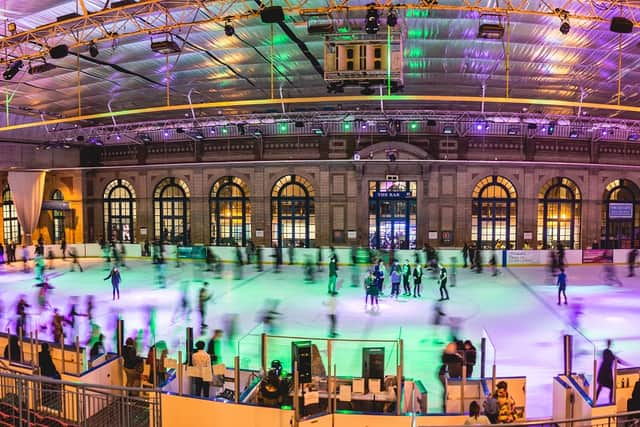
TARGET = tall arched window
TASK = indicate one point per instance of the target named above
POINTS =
(119, 204)
(58, 218)
(171, 211)
(620, 215)
(230, 212)
(12, 230)
(559, 214)
(293, 216)
(493, 216)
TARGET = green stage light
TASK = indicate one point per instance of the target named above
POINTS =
(283, 127)
(347, 126)
(413, 126)
(225, 131)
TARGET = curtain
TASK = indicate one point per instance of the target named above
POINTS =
(27, 190)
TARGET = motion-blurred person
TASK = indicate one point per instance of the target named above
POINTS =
(278, 257)
(43, 295)
(605, 371)
(71, 318)
(130, 357)
(57, 326)
(309, 269)
(453, 272)
(203, 298)
(183, 311)
(631, 262)
(38, 262)
(259, 258)
(355, 269)
(50, 259)
(291, 251)
(470, 356)
(406, 274)
(21, 312)
(239, 262)
(214, 347)
(371, 291)
(74, 259)
(562, 285)
(97, 348)
(465, 254)
(451, 365)
(270, 315)
(610, 276)
(123, 254)
(332, 314)
(319, 258)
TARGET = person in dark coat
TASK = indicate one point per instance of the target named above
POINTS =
(605, 372)
(465, 254)
(114, 275)
(12, 350)
(51, 393)
(470, 355)
(631, 261)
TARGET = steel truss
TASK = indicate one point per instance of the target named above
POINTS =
(164, 16)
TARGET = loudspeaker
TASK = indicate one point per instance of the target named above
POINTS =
(59, 51)
(90, 156)
(622, 25)
(272, 14)
(301, 353)
(373, 362)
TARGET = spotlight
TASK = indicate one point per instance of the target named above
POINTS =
(166, 133)
(392, 18)
(550, 129)
(94, 140)
(633, 137)
(118, 137)
(573, 133)
(413, 126)
(448, 130)
(228, 29)
(565, 27)
(11, 26)
(512, 131)
(257, 133)
(196, 134)
(60, 51)
(12, 70)
(93, 50)
(317, 129)
(145, 138)
(372, 24)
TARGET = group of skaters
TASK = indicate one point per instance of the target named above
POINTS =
(41, 261)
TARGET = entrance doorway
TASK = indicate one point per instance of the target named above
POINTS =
(392, 214)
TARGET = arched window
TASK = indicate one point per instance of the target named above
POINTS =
(58, 218)
(12, 230)
(559, 214)
(620, 215)
(230, 212)
(171, 211)
(493, 216)
(119, 204)
(293, 216)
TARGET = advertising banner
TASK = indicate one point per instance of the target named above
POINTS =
(590, 256)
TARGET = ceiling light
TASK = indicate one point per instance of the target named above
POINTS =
(257, 133)
(448, 130)
(490, 31)
(40, 68)
(93, 50)
(565, 27)
(392, 18)
(228, 29)
(372, 24)
(317, 129)
(12, 70)
(11, 26)
(165, 47)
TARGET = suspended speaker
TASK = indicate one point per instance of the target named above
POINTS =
(622, 25)
(272, 15)
(59, 51)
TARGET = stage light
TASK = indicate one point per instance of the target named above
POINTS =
(11, 26)
(346, 126)
(118, 137)
(165, 47)
(392, 18)
(40, 68)
(448, 130)
(228, 29)
(633, 137)
(166, 133)
(226, 131)
(145, 138)
(59, 52)
(12, 70)
(512, 131)
(258, 133)
(573, 133)
(479, 126)
(565, 27)
(413, 126)
(93, 50)
(372, 24)
(196, 134)
(283, 127)
(564, 18)
(317, 129)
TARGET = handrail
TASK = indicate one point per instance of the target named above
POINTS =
(332, 339)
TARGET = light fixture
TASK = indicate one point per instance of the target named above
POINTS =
(145, 138)
(317, 129)
(413, 126)
(565, 27)
(392, 18)
(59, 52)
(166, 46)
(551, 128)
(573, 133)
(283, 127)
(633, 137)
(40, 68)
(11, 26)
(12, 70)
(95, 140)
(490, 30)
(258, 133)
(448, 130)
(228, 28)
(382, 128)
(93, 49)
(372, 24)
(166, 133)
(512, 131)
(619, 24)
(196, 134)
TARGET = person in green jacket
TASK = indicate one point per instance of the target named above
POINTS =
(333, 274)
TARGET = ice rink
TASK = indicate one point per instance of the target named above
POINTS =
(517, 309)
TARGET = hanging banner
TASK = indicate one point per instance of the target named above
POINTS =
(620, 210)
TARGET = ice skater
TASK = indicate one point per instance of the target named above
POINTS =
(562, 285)
(417, 280)
(442, 281)
(116, 279)
(406, 274)
(203, 298)
(333, 274)
(371, 290)
(395, 282)
(610, 276)
(631, 261)
(71, 317)
(74, 259)
(332, 307)
(605, 372)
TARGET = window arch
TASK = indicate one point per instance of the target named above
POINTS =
(11, 225)
(620, 215)
(58, 218)
(119, 205)
(171, 211)
(559, 213)
(230, 211)
(293, 212)
(494, 210)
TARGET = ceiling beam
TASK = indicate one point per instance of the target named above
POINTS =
(169, 15)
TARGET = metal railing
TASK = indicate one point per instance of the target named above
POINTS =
(623, 419)
(34, 400)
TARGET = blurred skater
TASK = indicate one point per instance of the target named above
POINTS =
(74, 259)
(562, 285)
(332, 314)
(116, 279)
(442, 281)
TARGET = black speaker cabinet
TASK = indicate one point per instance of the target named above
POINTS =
(59, 51)
(373, 363)
(301, 353)
(272, 14)
(622, 25)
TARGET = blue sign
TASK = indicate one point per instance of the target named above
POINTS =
(620, 210)
(392, 195)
